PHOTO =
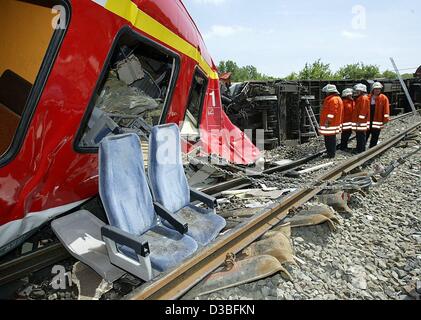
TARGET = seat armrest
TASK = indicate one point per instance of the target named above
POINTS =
(126, 239)
(210, 201)
(177, 222)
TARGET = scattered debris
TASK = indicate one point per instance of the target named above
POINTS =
(90, 285)
(239, 272)
(337, 200)
(314, 216)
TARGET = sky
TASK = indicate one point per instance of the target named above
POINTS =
(280, 36)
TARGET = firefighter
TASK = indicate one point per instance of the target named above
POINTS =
(379, 113)
(348, 103)
(331, 118)
(361, 116)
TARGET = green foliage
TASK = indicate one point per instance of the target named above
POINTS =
(312, 71)
(389, 75)
(316, 71)
(292, 76)
(240, 74)
(408, 75)
(358, 71)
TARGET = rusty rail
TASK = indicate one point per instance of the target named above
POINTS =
(176, 283)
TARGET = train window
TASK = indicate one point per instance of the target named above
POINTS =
(133, 93)
(190, 125)
(26, 32)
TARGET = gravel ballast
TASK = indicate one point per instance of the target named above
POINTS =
(375, 253)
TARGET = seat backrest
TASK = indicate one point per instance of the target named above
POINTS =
(165, 167)
(123, 185)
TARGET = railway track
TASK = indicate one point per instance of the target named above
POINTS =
(174, 284)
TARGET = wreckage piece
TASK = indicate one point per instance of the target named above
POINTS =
(118, 97)
(284, 228)
(314, 216)
(240, 272)
(239, 213)
(278, 246)
(90, 285)
(338, 201)
(170, 188)
(254, 193)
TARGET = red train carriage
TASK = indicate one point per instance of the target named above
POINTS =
(75, 71)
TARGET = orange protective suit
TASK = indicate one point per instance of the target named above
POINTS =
(361, 114)
(382, 112)
(349, 105)
(331, 116)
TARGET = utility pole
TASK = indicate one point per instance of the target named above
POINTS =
(404, 87)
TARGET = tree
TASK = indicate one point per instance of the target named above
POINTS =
(408, 75)
(315, 71)
(292, 76)
(387, 74)
(240, 74)
(358, 71)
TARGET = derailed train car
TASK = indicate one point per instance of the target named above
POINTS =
(86, 69)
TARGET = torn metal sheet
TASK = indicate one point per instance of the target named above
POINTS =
(314, 216)
(278, 246)
(285, 229)
(239, 213)
(200, 176)
(338, 200)
(254, 193)
(236, 273)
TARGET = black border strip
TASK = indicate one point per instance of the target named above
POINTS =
(38, 88)
(197, 70)
(143, 39)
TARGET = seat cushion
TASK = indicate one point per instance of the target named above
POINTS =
(204, 224)
(123, 186)
(166, 172)
(168, 248)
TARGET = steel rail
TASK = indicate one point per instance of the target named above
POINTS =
(42, 258)
(32, 262)
(177, 282)
(236, 182)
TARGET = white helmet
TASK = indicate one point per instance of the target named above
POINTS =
(330, 88)
(377, 85)
(347, 92)
(360, 87)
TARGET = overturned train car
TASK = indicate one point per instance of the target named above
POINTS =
(289, 110)
(73, 72)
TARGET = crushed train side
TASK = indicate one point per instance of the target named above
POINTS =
(46, 171)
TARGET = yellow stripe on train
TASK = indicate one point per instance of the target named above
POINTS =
(128, 10)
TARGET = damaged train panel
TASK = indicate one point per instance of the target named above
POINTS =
(145, 65)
